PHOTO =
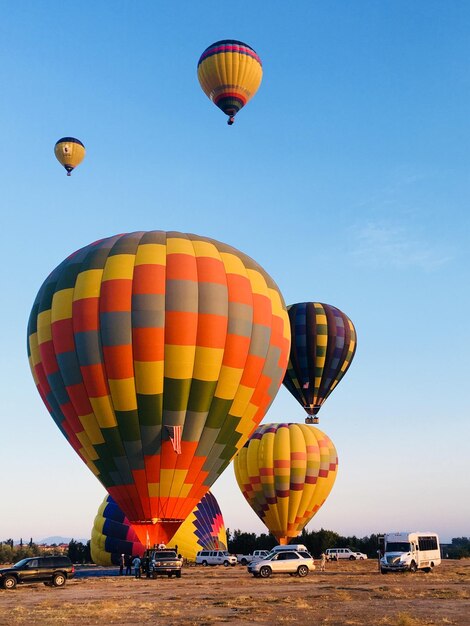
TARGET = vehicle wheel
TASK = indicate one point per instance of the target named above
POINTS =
(413, 567)
(9, 582)
(244, 562)
(58, 580)
(352, 558)
(226, 563)
(204, 563)
(361, 558)
(233, 564)
(265, 572)
(302, 571)
(178, 574)
(383, 571)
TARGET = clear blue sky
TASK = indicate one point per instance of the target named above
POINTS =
(346, 177)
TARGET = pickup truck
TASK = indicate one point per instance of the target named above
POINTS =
(257, 555)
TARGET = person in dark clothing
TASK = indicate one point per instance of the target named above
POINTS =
(128, 563)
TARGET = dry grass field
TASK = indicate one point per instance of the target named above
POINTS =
(346, 594)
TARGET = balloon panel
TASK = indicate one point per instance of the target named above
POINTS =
(323, 347)
(141, 338)
(204, 529)
(285, 472)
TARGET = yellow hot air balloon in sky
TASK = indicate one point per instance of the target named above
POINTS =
(286, 472)
(70, 152)
(230, 73)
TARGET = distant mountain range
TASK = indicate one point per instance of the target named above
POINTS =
(50, 540)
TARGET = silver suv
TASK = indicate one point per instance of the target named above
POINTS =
(293, 562)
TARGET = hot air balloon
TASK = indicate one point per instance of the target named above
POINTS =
(230, 73)
(70, 152)
(323, 346)
(112, 534)
(285, 472)
(157, 355)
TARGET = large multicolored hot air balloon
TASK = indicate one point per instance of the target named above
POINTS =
(323, 346)
(285, 472)
(70, 152)
(112, 534)
(230, 73)
(157, 355)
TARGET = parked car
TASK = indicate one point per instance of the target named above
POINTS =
(51, 570)
(163, 562)
(291, 562)
(215, 557)
(257, 555)
(334, 554)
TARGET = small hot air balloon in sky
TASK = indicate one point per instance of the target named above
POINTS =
(285, 472)
(157, 355)
(112, 534)
(323, 346)
(230, 73)
(70, 152)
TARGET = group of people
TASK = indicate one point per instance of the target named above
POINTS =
(136, 563)
(127, 563)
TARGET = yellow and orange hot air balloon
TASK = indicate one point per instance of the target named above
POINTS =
(157, 355)
(70, 152)
(230, 73)
(286, 472)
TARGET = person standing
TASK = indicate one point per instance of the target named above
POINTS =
(121, 564)
(128, 563)
(136, 566)
(322, 562)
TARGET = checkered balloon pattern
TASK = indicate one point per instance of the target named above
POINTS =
(286, 472)
(323, 347)
(140, 336)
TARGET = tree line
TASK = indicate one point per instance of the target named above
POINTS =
(318, 541)
(10, 552)
(239, 542)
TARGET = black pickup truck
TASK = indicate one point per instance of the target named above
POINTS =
(163, 562)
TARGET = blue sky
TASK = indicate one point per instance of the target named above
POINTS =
(346, 177)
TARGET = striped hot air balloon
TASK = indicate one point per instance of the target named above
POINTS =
(230, 73)
(113, 535)
(70, 152)
(157, 355)
(323, 347)
(286, 472)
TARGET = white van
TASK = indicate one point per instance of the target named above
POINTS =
(410, 551)
(334, 554)
(215, 557)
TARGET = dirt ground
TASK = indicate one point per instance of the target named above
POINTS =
(345, 594)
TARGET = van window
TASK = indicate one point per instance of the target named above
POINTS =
(427, 543)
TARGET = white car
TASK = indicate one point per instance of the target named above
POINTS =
(334, 554)
(283, 562)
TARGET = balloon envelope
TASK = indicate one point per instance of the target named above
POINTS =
(113, 535)
(230, 73)
(285, 472)
(157, 355)
(70, 152)
(323, 347)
